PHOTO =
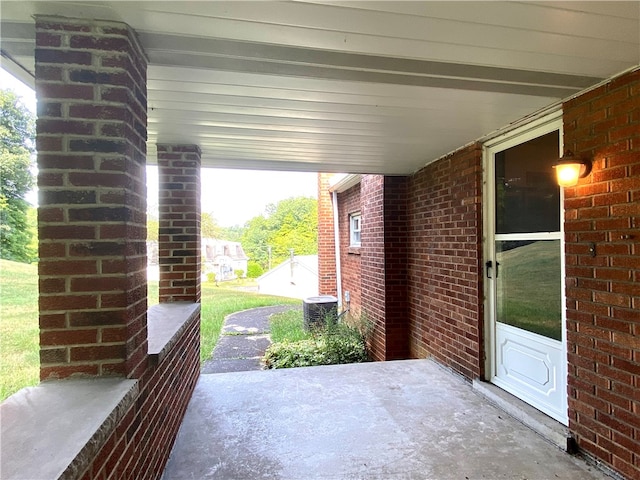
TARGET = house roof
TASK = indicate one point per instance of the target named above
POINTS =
(227, 248)
(307, 262)
(357, 87)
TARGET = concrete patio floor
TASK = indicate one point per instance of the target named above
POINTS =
(386, 420)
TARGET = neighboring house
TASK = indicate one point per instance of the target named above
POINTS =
(481, 261)
(295, 278)
(219, 257)
(223, 258)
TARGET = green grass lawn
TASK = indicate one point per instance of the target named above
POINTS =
(288, 327)
(218, 302)
(529, 294)
(19, 345)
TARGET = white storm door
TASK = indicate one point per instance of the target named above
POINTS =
(525, 271)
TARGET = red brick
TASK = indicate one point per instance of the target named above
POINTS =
(55, 320)
(65, 127)
(58, 371)
(101, 112)
(56, 56)
(61, 91)
(68, 302)
(97, 352)
(68, 337)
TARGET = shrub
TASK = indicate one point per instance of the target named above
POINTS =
(254, 270)
(335, 343)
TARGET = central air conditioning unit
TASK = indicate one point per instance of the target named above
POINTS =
(318, 310)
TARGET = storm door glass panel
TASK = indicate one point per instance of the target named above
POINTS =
(527, 283)
(527, 195)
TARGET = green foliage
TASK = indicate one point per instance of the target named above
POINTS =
(17, 123)
(335, 343)
(289, 224)
(209, 226)
(254, 270)
(17, 137)
(239, 273)
(233, 234)
(32, 225)
(153, 227)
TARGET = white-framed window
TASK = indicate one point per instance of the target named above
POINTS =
(355, 225)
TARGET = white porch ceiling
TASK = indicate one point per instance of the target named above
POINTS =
(358, 87)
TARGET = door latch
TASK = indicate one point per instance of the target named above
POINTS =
(489, 266)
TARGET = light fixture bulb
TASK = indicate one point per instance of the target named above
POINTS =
(568, 174)
(570, 168)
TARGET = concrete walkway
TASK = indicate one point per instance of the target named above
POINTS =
(243, 340)
(374, 421)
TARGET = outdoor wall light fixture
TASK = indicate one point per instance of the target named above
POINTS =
(570, 168)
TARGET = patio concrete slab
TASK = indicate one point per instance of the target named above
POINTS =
(387, 420)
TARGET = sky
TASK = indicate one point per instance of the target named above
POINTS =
(232, 196)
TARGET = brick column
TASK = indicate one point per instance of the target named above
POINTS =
(384, 269)
(602, 254)
(91, 134)
(396, 268)
(327, 283)
(179, 235)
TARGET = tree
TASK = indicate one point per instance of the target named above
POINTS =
(17, 139)
(255, 240)
(209, 226)
(295, 225)
(153, 228)
(233, 234)
(289, 224)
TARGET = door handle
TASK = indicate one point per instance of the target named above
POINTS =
(489, 266)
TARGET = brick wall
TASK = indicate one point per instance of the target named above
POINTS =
(139, 446)
(348, 203)
(603, 292)
(395, 261)
(444, 261)
(179, 223)
(327, 283)
(91, 142)
(383, 272)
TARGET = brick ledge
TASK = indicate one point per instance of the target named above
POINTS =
(55, 429)
(165, 324)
